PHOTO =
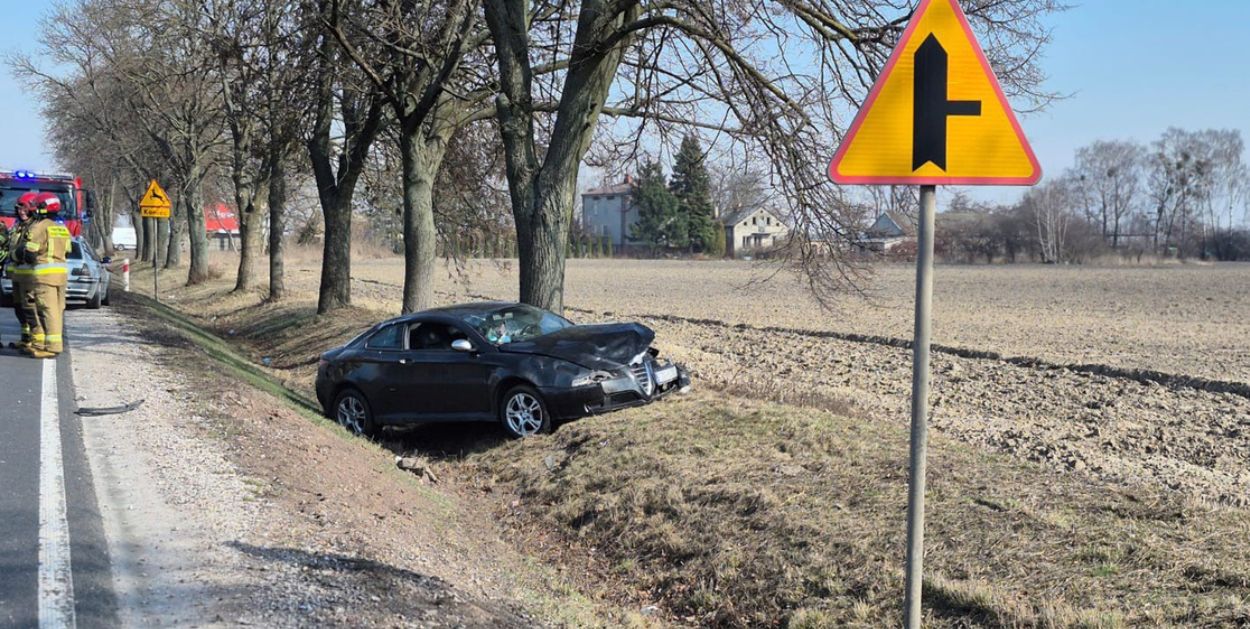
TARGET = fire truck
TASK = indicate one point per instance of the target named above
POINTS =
(76, 201)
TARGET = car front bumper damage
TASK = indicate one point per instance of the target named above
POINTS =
(634, 386)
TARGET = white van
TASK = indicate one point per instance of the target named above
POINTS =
(124, 238)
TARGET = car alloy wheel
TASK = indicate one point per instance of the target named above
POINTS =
(352, 412)
(524, 413)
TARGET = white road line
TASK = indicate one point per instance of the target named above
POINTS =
(56, 581)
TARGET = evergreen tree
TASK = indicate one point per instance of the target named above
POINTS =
(716, 248)
(660, 221)
(692, 186)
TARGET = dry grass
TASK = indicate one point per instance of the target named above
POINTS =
(735, 513)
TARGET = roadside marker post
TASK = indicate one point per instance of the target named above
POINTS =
(155, 205)
(935, 116)
(126, 275)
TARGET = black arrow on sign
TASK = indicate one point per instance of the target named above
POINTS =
(931, 108)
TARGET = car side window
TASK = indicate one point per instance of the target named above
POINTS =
(431, 336)
(389, 337)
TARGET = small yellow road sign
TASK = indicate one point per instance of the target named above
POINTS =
(155, 203)
(936, 115)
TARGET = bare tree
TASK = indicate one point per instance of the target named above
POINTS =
(421, 46)
(340, 98)
(675, 64)
(1110, 178)
(1050, 204)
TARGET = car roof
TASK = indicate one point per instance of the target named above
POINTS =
(455, 312)
(459, 310)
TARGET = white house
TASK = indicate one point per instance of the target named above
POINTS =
(607, 211)
(752, 229)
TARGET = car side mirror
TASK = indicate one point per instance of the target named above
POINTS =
(106, 260)
(462, 345)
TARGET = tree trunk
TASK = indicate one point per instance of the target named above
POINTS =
(107, 217)
(250, 224)
(173, 236)
(336, 258)
(143, 249)
(198, 273)
(421, 162)
(542, 193)
(277, 221)
(167, 235)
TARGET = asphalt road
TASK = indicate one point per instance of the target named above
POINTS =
(54, 569)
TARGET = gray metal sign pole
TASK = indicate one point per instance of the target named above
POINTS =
(156, 252)
(919, 406)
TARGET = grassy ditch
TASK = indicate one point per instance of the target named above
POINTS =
(731, 513)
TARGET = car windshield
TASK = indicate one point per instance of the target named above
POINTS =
(514, 324)
(10, 192)
(75, 251)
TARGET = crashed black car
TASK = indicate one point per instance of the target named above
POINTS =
(495, 361)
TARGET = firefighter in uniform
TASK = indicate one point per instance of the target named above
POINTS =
(46, 245)
(4, 251)
(19, 270)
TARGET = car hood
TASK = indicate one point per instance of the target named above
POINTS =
(606, 346)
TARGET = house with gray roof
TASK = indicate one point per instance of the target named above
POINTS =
(888, 231)
(751, 230)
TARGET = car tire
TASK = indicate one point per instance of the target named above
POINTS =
(6, 301)
(105, 301)
(352, 411)
(94, 302)
(523, 412)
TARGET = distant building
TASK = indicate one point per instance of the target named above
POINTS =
(888, 231)
(608, 211)
(222, 225)
(752, 229)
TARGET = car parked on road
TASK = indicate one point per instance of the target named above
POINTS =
(493, 361)
(89, 277)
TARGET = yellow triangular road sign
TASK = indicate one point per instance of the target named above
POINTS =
(936, 115)
(155, 198)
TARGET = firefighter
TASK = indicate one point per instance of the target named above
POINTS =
(4, 252)
(19, 271)
(46, 245)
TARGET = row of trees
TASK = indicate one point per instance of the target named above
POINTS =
(423, 113)
(1185, 195)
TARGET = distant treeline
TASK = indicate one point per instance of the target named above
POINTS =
(1185, 195)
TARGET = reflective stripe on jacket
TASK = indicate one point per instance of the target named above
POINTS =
(48, 243)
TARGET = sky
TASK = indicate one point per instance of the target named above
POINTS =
(1131, 68)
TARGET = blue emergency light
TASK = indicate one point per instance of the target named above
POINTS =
(23, 174)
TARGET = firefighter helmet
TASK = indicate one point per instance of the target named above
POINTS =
(27, 200)
(47, 203)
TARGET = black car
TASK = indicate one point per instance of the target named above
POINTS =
(495, 361)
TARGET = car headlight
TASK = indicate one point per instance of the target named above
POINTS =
(594, 377)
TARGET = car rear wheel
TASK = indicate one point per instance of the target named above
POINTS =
(523, 412)
(94, 302)
(351, 411)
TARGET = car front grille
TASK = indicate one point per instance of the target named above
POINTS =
(642, 374)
